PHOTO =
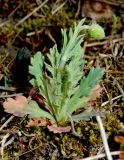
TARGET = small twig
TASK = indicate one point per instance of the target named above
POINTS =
(9, 141)
(115, 98)
(104, 42)
(10, 95)
(58, 8)
(72, 125)
(109, 98)
(17, 34)
(78, 10)
(4, 131)
(115, 72)
(119, 86)
(5, 124)
(102, 155)
(50, 36)
(100, 150)
(29, 151)
(8, 88)
(4, 23)
(1, 76)
(12, 13)
(5, 57)
(39, 3)
(104, 138)
(30, 14)
(28, 135)
(35, 32)
(2, 144)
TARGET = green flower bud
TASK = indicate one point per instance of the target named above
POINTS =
(96, 31)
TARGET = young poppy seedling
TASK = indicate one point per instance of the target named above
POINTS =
(61, 81)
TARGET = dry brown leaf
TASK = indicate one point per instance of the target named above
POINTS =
(121, 156)
(96, 92)
(49, 124)
(21, 106)
(14, 106)
(37, 122)
(119, 139)
(55, 129)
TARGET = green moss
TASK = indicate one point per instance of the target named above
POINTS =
(63, 18)
(112, 124)
(90, 130)
(8, 33)
(60, 20)
(70, 145)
